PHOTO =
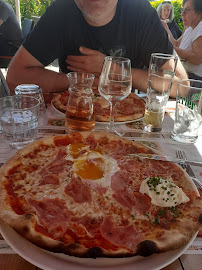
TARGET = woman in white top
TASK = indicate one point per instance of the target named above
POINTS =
(189, 45)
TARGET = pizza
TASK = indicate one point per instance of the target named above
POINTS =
(85, 195)
(128, 109)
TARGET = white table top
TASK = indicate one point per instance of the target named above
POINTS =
(166, 145)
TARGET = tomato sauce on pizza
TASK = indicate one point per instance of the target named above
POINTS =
(128, 109)
(84, 195)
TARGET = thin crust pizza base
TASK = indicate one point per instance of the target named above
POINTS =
(57, 104)
(25, 224)
(119, 117)
(170, 240)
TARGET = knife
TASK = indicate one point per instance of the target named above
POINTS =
(166, 158)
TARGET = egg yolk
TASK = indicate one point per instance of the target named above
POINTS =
(76, 148)
(89, 170)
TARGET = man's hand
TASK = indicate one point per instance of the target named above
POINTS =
(90, 62)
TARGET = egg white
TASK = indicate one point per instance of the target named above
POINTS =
(108, 165)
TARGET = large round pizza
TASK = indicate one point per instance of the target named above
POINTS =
(128, 109)
(84, 195)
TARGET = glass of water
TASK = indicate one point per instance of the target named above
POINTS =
(19, 119)
(161, 74)
(188, 114)
(32, 90)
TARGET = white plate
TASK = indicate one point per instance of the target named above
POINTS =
(51, 261)
(56, 110)
(170, 106)
(124, 122)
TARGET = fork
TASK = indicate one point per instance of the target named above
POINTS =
(181, 155)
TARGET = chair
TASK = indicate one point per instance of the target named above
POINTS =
(35, 19)
(27, 28)
(4, 61)
(4, 90)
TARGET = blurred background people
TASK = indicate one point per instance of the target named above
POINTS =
(11, 36)
(189, 45)
(166, 13)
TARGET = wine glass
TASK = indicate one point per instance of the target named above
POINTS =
(115, 83)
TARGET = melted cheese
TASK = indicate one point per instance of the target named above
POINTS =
(92, 165)
(103, 102)
(163, 192)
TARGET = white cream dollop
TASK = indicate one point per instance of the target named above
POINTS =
(163, 192)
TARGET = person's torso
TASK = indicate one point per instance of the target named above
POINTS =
(190, 35)
(117, 38)
(174, 29)
(132, 33)
(10, 29)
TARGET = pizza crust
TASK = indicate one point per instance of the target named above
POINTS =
(119, 118)
(165, 240)
(57, 104)
(119, 115)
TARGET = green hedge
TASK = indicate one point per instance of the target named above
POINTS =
(29, 8)
(177, 10)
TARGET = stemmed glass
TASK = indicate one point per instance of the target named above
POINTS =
(115, 83)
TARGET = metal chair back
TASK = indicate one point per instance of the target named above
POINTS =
(4, 90)
(27, 27)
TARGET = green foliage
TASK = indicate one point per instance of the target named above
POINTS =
(28, 8)
(177, 7)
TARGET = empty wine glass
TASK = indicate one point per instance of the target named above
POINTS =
(115, 83)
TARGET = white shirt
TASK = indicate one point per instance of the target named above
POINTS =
(190, 35)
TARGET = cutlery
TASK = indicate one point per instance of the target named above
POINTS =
(167, 158)
(181, 155)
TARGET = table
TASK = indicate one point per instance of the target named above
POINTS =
(192, 258)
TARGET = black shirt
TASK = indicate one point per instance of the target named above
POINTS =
(135, 32)
(174, 29)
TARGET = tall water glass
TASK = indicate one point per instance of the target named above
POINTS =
(19, 119)
(160, 79)
(188, 114)
(115, 83)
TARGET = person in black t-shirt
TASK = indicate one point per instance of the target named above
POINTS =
(80, 33)
(10, 32)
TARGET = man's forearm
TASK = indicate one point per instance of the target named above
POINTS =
(139, 79)
(48, 80)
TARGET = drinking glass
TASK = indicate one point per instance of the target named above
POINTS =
(160, 79)
(19, 119)
(115, 83)
(80, 115)
(188, 113)
(32, 90)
